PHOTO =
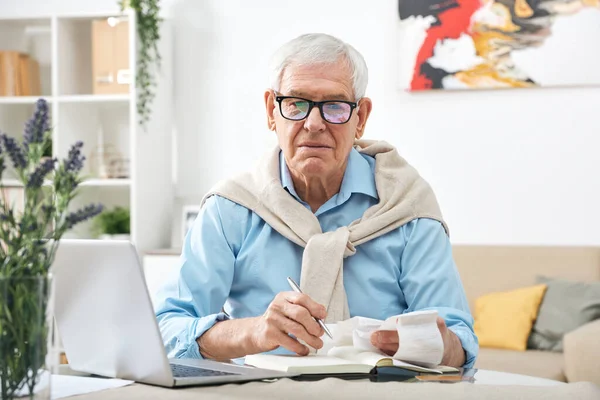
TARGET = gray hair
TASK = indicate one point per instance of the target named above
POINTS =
(319, 48)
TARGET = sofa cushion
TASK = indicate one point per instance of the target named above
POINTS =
(566, 306)
(504, 319)
(543, 364)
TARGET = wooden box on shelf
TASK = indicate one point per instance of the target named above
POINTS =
(110, 56)
(19, 74)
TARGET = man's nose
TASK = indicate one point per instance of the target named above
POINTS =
(314, 122)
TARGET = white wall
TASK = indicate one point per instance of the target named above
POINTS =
(511, 167)
(44, 8)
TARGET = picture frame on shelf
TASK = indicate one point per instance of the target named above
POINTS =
(188, 216)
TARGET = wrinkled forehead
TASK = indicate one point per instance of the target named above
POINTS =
(318, 81)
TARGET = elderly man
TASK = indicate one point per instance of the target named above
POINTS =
(349, 219)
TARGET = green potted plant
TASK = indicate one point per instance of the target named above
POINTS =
(113, 224)
(29, 238)
(148, 32)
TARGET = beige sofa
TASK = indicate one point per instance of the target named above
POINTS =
(486, 269)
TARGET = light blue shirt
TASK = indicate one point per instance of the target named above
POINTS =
(232, 259)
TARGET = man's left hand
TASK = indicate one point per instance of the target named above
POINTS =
(454, 355)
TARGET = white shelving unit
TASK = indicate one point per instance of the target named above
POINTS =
(62, 44)
(23, 99)
(96, 98)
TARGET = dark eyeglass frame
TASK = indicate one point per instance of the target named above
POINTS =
(319, 105)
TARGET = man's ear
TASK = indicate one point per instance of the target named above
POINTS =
(363, 112)
(270, 108)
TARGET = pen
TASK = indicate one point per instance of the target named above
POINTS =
(296, 289)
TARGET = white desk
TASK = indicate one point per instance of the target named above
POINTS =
(486, 377)
(488, 385)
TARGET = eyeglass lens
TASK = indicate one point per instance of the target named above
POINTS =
(333, 111)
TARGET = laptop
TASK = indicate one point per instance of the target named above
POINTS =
(108, 327)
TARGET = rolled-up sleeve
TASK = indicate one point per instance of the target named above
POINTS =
(190, 302)
(430, 280)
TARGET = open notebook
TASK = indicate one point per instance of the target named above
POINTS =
(339, 360)
(350, 352)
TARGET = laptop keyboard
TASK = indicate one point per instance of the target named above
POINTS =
(184, 371)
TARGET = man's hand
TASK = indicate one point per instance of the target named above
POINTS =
(289, 313)
(454, 355)
(293, 313)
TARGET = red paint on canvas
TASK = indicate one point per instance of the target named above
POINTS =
(453, 23)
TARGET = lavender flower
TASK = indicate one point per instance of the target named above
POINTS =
(83, 214)
(14, 151)
(24, 227)
(36, 179)
(74, 161)
(1, 161)
(7, 215)
(48, 210)
(45, 214)
(38, 125)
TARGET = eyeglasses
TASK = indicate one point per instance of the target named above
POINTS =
(332, 111)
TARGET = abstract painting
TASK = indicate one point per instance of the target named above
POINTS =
(484, 44)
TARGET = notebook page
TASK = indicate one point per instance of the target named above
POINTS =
(372, 358)
(305, 364)
(357, 355)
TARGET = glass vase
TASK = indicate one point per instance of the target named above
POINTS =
(28, 354)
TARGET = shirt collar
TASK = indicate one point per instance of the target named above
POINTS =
(286, 178)
(358, 178)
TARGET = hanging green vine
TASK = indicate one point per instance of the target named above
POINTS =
(148, 30)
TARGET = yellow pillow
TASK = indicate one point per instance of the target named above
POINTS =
(504, 319)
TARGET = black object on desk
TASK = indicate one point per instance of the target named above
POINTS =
(391, 374)
(380, 374)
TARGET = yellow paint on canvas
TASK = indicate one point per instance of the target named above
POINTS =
(488, 43)
(501, 11)
(522, 9)
(486, 76)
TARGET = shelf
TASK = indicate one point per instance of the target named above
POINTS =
(87, 183)
(11, 183)
(25, 18)
(94, 98)
(106, 182)
(22, 99)
(92, 15)
(79, 98)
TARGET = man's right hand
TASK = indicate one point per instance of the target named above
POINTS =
(289, 313)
